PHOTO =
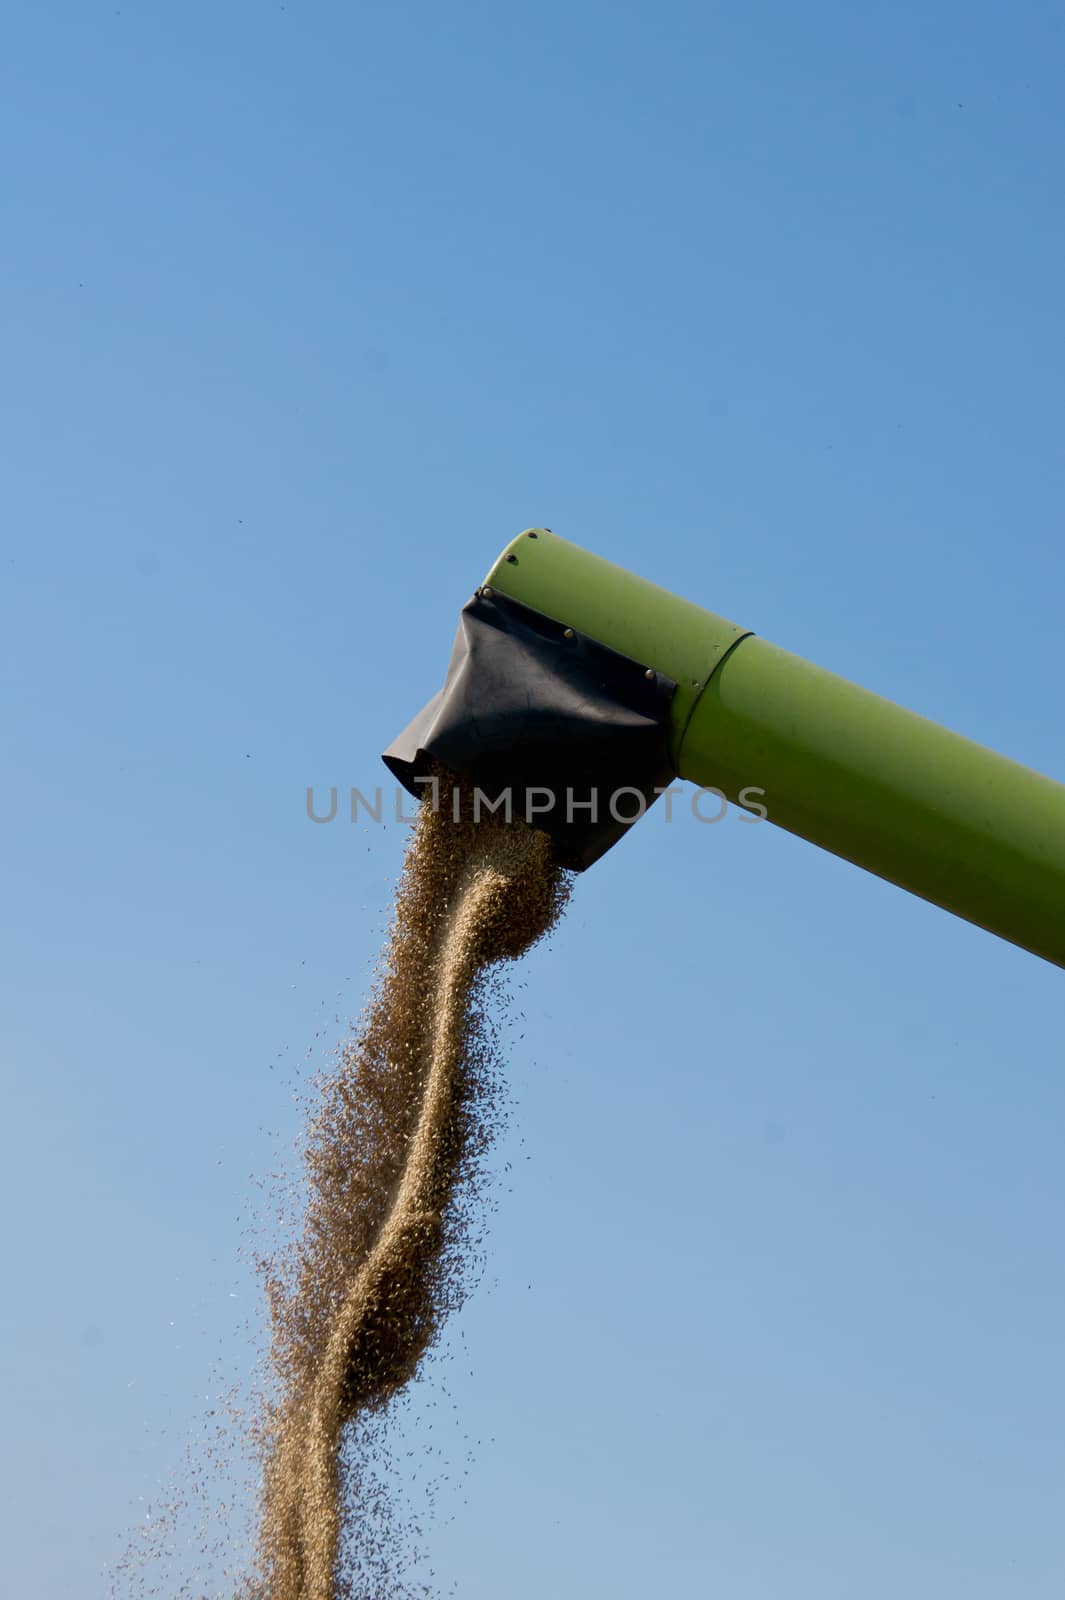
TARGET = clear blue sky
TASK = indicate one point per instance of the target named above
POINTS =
(307, 308)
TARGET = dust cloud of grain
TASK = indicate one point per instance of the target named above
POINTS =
(394, 1148)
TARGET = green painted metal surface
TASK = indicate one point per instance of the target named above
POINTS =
(639, 619)
(898, 795)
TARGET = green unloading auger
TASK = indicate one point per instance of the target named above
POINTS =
(573, 679)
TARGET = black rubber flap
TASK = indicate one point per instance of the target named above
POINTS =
(561, 731)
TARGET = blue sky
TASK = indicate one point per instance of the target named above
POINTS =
(307, 309)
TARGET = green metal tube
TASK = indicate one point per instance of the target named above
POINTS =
(898, 795)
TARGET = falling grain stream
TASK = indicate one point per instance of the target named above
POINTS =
(395, 1141)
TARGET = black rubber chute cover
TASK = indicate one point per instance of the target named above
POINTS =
(551, 722)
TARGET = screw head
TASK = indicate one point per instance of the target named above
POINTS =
(650, 673)
(532, 534)
(486, 593)
(513, 560)
(568, 633)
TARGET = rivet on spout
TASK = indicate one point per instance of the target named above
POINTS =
(650, 673)
(568, 633)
